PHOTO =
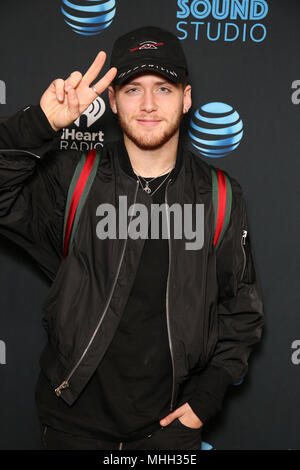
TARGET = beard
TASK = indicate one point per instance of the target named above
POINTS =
(150, 141)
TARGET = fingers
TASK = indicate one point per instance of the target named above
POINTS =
(106, 80)
(94, 70)
(73, 103)
(175, 414)
(79, 93)
(168, 419)
(61, 86)
(73, 80)
(58, 85)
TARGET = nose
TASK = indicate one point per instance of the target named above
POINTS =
(148, 103)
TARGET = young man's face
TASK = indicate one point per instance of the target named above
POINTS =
(150, 109)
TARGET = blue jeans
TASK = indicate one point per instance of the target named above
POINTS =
(175, 436)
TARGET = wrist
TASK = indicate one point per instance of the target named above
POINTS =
(50, 121)
(56, 129)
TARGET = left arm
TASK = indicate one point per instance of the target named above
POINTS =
(240, 318)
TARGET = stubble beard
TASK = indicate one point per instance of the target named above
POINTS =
(149, 141)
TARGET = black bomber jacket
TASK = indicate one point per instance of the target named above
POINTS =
(214, 307)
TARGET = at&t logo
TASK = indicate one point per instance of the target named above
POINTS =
(216, 130)
(226, 20)
(89, 17)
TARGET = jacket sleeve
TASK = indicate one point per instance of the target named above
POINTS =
(27, 128)
(240, 315)
(33, 187)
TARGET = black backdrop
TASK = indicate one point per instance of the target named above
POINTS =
(252, 66)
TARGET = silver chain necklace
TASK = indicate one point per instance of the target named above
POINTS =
(146, 188)
(157, 175)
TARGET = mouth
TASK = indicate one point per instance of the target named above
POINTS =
(148, 122)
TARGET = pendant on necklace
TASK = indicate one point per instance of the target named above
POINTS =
(147, 189)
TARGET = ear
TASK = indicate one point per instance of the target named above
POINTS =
(187, 99)
(112, 99)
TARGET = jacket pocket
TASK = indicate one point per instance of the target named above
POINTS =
(186, 428)
(64, 309)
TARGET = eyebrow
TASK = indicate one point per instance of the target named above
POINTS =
(156, 83)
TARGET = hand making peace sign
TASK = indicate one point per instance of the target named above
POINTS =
(62, 110)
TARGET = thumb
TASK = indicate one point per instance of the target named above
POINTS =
(169, 418)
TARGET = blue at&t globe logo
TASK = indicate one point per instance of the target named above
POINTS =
(216, 129)
(89, 17)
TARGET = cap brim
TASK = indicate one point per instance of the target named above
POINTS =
(174, 74)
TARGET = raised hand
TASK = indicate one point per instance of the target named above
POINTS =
(65, 100)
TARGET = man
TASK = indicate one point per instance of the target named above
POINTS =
(145, 336)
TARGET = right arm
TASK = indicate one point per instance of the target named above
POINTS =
(33, 189)
(28, 128)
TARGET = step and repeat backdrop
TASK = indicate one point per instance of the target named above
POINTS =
(243, 57)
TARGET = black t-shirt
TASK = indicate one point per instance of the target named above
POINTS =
(131, 389)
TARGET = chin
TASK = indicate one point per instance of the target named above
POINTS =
(149, 141)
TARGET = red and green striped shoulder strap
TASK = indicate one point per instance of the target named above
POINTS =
(83, 178)
(79, 188)
(222, 199)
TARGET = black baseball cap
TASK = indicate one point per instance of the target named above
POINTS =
(148, 49)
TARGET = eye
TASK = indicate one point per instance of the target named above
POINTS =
(131, 90)
(164, 89)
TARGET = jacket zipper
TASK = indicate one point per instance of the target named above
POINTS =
(167, 303)
(243, 243)
(65, 383)
(20, 150)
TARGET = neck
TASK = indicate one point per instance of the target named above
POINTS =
(151, 163)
